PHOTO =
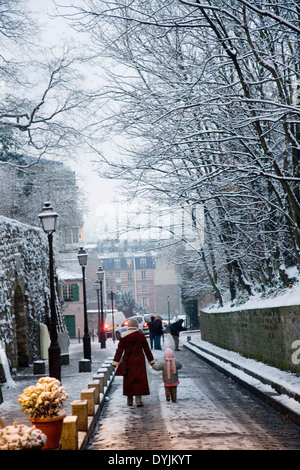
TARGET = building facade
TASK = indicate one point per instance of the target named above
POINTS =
(70, 289)
(153, 279)
(130, 271)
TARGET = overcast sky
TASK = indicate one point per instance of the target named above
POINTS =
(101, 193)
(107, 213)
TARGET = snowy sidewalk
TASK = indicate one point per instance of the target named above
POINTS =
(278, 388)
(72, 380)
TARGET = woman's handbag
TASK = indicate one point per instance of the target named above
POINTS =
(122, 368)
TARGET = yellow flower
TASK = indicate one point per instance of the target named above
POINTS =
(43, 399)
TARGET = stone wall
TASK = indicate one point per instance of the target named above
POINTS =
(24, 290)
(267, 335)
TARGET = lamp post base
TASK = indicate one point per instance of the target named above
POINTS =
(87, 347)
(85, 365)
(102, 339)
(54, 362)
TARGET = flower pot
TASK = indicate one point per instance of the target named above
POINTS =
(52, 428)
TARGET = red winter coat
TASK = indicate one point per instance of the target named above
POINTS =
(134, 345)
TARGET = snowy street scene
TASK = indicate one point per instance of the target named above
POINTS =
(212, 412)
(149, 228)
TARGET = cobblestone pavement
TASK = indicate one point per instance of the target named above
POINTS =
(212, 413)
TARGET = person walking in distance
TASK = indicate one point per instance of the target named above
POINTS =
(158, 332)
(169, 368)
(151, 326)
(133, 347)
(175, 329)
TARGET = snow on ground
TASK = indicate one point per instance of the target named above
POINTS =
(113, 427)
(72, 380)
(200, 421)
(181, 424)
(280, 298)
(288, 380)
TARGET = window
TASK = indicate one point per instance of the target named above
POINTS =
(70, 292)
(129, 276)
(143, 262)
(144, 288)
(117, 263)
(70, 235)
(143, 273)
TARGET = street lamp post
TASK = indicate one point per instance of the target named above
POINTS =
(82, 258)
(102, 336)
(97, 288)
(48, 219)
(169, 316)
(112, 298)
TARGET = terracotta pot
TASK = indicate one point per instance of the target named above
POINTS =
(52, 428)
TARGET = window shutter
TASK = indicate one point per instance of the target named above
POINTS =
(75, 288)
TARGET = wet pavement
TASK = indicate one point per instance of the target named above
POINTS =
(212, 411)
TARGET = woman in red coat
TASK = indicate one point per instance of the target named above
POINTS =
(134, 345)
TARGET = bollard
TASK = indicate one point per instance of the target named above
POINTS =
(100, 378)
(69, 435)
(39, 367)
(85, 365)
(80, 409)
(110, 360)
(89, 395)
(109, 366)
(96, 386)
(103, 370)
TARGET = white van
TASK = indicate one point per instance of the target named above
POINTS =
(111, 320)
(142, 322)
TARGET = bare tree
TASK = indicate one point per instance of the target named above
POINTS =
(206, 95)
(46, 104)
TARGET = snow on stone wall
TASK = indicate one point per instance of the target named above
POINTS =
(24, 289)
(266, 334)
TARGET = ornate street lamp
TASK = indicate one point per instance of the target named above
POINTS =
(97, 288)
(48, 219)
(82, 258)
(102, 335)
